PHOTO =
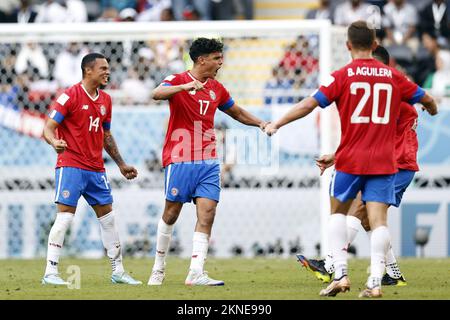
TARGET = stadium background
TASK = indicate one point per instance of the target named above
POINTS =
(271, 205)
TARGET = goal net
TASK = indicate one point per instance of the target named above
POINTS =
(271, 198)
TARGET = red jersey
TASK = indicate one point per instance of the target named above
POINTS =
(406, 144)
(190, 134)
(368, 95)
(82, 119)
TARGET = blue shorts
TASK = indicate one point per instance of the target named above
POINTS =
(185, 181)
(71, 183)
(403, 179)
(376, 188)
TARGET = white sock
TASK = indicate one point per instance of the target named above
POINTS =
(110, 239)
(337, 235)
(329, 263)
(353, 225)
(164, 235)
(379, 245)
(392, 267)
(199, 251)
(56, 240)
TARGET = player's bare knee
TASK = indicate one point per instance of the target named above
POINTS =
(170, 216)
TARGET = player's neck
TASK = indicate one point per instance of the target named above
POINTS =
(198, 74)
(362, 54)
(90, 88)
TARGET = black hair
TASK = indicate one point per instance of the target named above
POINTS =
(89, 60)
(204, 46)
(381, 54)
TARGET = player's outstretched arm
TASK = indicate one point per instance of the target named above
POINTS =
(163, 92)
(245, 117)
(49, 135)
(429, 104)
(300, 110)
(110, 146)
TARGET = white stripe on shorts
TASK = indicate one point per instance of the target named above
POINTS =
(333, 178)
(168, 178)
(59, 183)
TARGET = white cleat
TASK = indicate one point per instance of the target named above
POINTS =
(156, 278)
(124, 278)
(54, 279)
(201, 279)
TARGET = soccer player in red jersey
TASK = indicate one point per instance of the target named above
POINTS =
(368, 95)
(192, 171)
(78, 129)
(406, 148)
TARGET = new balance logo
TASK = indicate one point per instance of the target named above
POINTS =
(85, 107)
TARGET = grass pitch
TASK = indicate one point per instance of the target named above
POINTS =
(245, 279)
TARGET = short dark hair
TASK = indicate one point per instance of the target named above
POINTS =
(203, 46)
(381, 54)
(89, 60)
(360, 35)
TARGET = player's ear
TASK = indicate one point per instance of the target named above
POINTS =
(349, 45)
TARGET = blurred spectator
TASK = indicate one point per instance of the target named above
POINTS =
(222, 9)
(439, 81)
(31, 55)
(379, 3)
(202, 6)
(7, 10)
(191, 14)
(323, 12)
(118, 5)
(76, 11)
(26, 13)
(434, 19)
(51, 12)
(154, 10)
(109, 15)
(352, 10)
(244, 9)
(135, 89)
(426, 58)
(167, 14)
(67, 70)
(400, 21)
(127, 15)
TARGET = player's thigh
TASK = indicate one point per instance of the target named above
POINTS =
(98, 190)
(178, 180)
(69, 186)
(379, 188)
(208, 182)
(403, 179)
(345, 186)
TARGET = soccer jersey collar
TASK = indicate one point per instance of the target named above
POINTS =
(93, 99)
(193, 78)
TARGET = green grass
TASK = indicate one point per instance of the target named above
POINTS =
(246, 279)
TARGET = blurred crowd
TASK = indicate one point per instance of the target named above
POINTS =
(51, 11)
(416, 33)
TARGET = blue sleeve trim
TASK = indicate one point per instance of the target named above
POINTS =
(165, 84)
(321, 99)
(107, 125)
(417, 96)
(227, 105)
(57, 116)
